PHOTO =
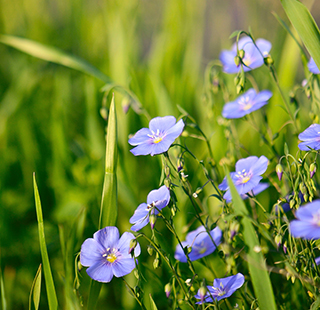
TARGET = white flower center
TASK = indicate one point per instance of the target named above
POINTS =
(110, 255)
(316, 218)
(243, 177)
(245, 103)
(219, 290)
(156, 136)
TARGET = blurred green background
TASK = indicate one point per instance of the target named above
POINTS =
(50, 122)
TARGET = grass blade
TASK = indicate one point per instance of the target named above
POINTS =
(53, 55)
(303, 22)
(152, 303)
(109, 207)
(256, 264)
(36, 290)
(2, 293)
(51, 292)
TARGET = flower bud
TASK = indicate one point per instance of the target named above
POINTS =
(167, 183)
(152, 220)
(237, 60)
(278, 240)
(156, 262)
(241, 53)
(202, 293)
(279, 171)
(150, 250)
(268, 60)
(234, 228)
(167, 289)
(313, 169)
(285, 247)
(132, 245)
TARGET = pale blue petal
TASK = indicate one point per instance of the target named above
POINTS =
(260, 166)
(247, 187)
(313, 68)
(264, 95)
(139, 213)
(141, 136)
(140, 224)
(308, 145)
(162, 146)
(233, 110)
(305, 230)
(163, 193)
(142, 149)
(264, 46)
(108, 237)
(91, 252)
(179, 253)
(124, 245)
(162, 123)
(123, 267)
(224, 185)
(312, 132)
(246, 163)
(101, 272)
(227, 60)
(306, 212)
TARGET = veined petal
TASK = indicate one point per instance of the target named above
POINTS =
(140, 224)
(91, 252)
(163, 193)
(311, 133)
(141, 136)
(124, 245)
(264, 46)
(309, 145)
(264, 95)
(246, 163)
(108, 237)
(123, 267)
(161, 147)
(260, 166)
(224, 185)
(306, 230)
(233, 110)
(176, 130)
(307, 212)
(101, 272)
(142, 149)
(162, 123)
(227, 60)
(247, 187)
(139, 213)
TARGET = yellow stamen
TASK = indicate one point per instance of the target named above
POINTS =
(202, 250)
(111, 257)
(157, 140)
(245, 180)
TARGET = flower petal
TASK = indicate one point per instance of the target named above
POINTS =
(108, 237)
(91, 252)
(311, 133)
(308, 145)
(142, 149)
(123, 267)
(101, 272)
(163, 193)
(179, 253)
(227, 60)
(139, 213)
(305, 230)
(246, 163)
(260, 166)
(124, 245)
(141, 136)
(162, 123)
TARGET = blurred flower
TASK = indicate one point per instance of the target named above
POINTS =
(256, 190)
(313, 68)
(106, 255)
(200, 242)
(157, 199)
(253, 56)
(158, 137)
(222, 288)
(311, 138)
(317, 260)
(246, 103)
(307, 225)
(247, 177)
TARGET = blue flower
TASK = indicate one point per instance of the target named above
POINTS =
(158, 137)
(253, 56)
(246, 103)
(307, 225)
(222, 288)
(313, 67)
(106, 255)
(311, 138)
(156, 200)
(200, 242)
(247, 176)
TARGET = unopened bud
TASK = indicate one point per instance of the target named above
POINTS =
(234, 228)
(150, 250)
(285, 247)
(156, 262)
(291, 203)
(279, 171)
(167, 183)
(239, 89)
(278, 240)
(167, 171)
(202, 293)
(152, 220)
(167, 289)
(137, 291)
(313, 169)
(268, 60)
(132, 245)
(237, 60)
(241, 53)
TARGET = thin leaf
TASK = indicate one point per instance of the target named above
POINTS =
(256, 264)
(2, 293)
(53, 55)
(303, 22)
(36, 290)
(316, 304)
(109, 206)
(152, 303)
(51, 292)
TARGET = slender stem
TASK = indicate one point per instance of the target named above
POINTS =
(134, 294)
